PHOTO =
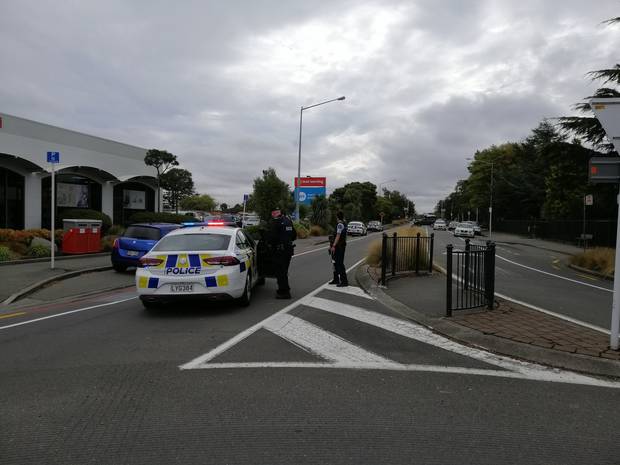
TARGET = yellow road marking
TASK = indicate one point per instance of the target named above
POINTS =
(592, 278)
(10, 315)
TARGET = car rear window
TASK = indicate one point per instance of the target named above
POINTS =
(193, 242)
(143, 232)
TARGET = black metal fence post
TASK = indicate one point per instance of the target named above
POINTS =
(394, 241)
(489, 270)
(431, 251)
(417, 254)
(466, 271)
(383, 258)
(449, 280)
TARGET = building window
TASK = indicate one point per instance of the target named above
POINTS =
(11, 199)
(72, 192)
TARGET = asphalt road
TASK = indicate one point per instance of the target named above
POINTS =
(542, 278)
(331, 377)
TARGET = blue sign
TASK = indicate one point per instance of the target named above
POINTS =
(307, 194)
(53, 157)
(246, 197)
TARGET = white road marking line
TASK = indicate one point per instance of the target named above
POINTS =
(203, 359)
(320, 342)
(67, 313)
(554, 275)
(422, 334)
(352, 290)
(553, 376)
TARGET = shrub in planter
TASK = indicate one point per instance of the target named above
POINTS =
(116, 230)
(107, 243)
(301, 231)
(7, 235)
(38, 251)
(5, 254)
(316, 230)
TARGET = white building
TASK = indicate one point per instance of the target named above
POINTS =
(93, 173)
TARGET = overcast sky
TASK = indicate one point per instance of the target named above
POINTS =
(220, 83)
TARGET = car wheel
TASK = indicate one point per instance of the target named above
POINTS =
(244, 300)
(150, 304)
(118, 267)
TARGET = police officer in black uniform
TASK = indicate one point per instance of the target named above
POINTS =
(281, 237)
(338, 248)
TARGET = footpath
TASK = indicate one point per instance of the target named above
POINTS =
(509, 329)
(33, 281)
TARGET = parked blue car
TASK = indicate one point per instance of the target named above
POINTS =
(138, 240)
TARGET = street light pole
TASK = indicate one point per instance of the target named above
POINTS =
(301, 113)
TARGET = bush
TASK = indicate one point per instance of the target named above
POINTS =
(38, 251)
(317, 230)
(301, 231)
(5, 254)
(373, 256)
(87, 214)
(254, 232)
(163, 217)
(599, 259)
(7, 235)
(116, 230)
(107, 242)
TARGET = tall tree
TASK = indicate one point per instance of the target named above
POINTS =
(320, 211)
(202, 202)
(178, 184)
(588, 127)
(270, 191)
(162, 161)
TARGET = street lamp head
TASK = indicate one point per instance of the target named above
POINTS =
(340, 98)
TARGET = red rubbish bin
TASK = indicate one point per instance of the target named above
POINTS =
(81, 236)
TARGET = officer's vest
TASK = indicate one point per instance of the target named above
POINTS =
(343, 236)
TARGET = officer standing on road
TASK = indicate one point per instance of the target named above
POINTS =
(281, 237)
(338, 249)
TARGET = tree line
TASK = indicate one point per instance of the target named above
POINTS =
(545, 176)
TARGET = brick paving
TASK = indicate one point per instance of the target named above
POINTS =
(520, 324)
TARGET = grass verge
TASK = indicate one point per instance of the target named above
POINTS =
(600, 259)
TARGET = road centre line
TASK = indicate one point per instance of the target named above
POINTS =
(324, 248)
(67, 313)
(198, 362)
(554, 275)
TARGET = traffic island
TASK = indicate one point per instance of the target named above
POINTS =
(509, 329)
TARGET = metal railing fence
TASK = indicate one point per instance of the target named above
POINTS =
(406, 254)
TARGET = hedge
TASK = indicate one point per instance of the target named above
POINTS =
(163, 217)
(86, 214)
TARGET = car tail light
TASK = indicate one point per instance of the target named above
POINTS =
(149, 261)
(225, 260)
(115, 245)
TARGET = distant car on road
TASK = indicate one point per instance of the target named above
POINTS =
(356, 228)
(464, 229)
(476, 227)
(440, 225)
(452, 225)
(211, 262)
(137, 240)
(374, 226)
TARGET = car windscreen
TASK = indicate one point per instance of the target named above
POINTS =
(464, 225)
(355, 223)
(143, 232)
(193, 242)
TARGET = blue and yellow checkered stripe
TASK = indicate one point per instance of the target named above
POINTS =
(151, 283)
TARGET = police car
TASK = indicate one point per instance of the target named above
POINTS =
(212, 261)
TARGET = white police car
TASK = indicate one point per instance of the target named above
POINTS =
(215, 262)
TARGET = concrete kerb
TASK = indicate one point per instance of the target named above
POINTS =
(44, 282)
(57, 258)
(591, 272)
(470, 337)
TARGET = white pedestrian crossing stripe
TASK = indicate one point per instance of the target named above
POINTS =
(336, 352)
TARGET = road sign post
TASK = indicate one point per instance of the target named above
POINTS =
(53, 158)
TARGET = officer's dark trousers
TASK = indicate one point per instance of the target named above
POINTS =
(339, 268)
(282, 260)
